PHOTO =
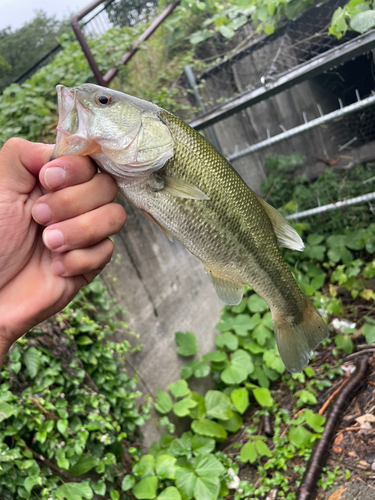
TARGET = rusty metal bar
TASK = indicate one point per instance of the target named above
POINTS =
(104, 80)
(74, 21)
(145, 35)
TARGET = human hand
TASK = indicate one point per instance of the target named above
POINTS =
(41, 269)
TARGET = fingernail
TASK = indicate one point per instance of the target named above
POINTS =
(41, 213)
(53, 239)
(54, 177)
(57, 268)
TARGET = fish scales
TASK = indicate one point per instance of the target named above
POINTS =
(177, 178)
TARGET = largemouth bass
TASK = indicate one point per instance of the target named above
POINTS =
(181, 182)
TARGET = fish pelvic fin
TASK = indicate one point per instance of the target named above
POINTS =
(228, 291)
(182, 189)
(296, 342)
(287, 236)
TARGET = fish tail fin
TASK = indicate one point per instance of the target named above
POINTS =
(297, 341)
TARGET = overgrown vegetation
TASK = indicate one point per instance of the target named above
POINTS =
(70, 412)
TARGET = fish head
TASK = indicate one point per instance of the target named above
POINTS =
(125, 135)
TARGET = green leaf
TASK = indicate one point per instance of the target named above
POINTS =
(226, 31)
(99, 488)
(170, 493)
(62, 426)
(363, 21)
(165, 467)
(273, 360)
(206, 427)
(261, 334)
(228, 340)
(207, 488)
(127, 483)
(163, 403)
(32, 361)
(369, 333)
(216, 356)
(233, 424)
(182, 408)
(200, 410)
(269, 29)
(344, 342)
(114, 494)
(243, 324)
(314, 420)
(146, 488)
(257, 304)
(74, 491)
(207, 466)
(248, 453)
(185, 481)
(187, 343)
(306, 397)
(314, 239)
(6, 411)
(84, 340)
(262, 449)
(263, 397)
(145, 466)
(240, 399)
(299, 436)
(201, 369)
(83, 465)
(179, 389)
(16, 367)
(218, 405)
(202, 445)
(239, 368)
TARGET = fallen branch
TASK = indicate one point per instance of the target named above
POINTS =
(359, 353)
(61, 472)
(332, 396)
(320, 451)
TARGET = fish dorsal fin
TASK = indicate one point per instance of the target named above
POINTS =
(165, 231)
(228, 291)
(286, 235)
(182, 189)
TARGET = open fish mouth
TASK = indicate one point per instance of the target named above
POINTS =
(74, 119)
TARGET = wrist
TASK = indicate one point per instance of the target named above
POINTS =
(4, 344)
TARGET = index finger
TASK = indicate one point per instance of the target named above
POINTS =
(67, 171)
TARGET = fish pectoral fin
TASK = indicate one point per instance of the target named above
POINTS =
(287, 236)
(165, 231)
(228, 291)
(182, 189)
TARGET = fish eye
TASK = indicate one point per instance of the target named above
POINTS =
(103, 99)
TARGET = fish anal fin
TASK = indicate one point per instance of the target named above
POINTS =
(228, 291)
(286, 235)
(165, 231)
(182, 189)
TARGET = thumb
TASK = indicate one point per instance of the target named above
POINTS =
(20, 163)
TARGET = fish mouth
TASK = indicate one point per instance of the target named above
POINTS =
(73, 123)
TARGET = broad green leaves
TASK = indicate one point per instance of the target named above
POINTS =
(74, 491)
(240, 366)
(163, 402)
(206, 427)
(200, 479)
(187, 343)
(240, 399)
(218, 405)
(146, 488)
(31, 359)
(263, 397)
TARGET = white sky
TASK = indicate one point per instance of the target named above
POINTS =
(15, 13)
